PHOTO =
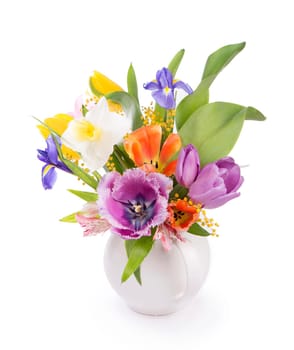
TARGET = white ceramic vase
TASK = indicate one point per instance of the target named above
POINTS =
(170, 280)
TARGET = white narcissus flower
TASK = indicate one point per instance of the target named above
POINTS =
(95, 134)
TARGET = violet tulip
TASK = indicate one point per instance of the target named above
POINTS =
(188, 166)
(217, 183)
(134, 202)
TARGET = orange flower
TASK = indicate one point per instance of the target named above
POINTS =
(182, 214)
(143, 147)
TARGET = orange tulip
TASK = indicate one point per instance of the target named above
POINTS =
(182, 214)
(143, 147)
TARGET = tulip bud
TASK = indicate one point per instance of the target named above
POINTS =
(217, 183)
(188, 166)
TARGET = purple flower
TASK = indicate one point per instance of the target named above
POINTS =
(188, 166)
(163, 88)
(133, 202)
(217, 183)
(50, 157)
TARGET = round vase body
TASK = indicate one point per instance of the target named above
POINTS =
(170, 279)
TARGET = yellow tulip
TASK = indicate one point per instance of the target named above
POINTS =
(101, 85)
(59, 124)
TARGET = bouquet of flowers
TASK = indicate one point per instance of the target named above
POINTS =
(154, 170)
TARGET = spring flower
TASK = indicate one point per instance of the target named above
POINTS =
(90, 220)
(95, 134)
(50, 157)
(182, 214)
(59, 124)
(134, 202)
(188, 166)
(102, 85)
(143, 147)
(217, 183)
(163, 88)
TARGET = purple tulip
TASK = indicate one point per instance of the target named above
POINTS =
(217, 183)
(133, 202)
(163, 88)
(188, 166)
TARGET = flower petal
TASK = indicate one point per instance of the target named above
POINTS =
(170, 148)
(92, 226)
(102, 84)
(153, 85)
(58, 123)
(52, 150)
(165, 100)
(207, 186)
(49, 176)
(143, 144)
(164, 78)
(181, 85)
(221, 200)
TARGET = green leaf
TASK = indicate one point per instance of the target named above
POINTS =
(71, 218)
(87, 196)
(198, 230)
(129, 243)
(215, 63)
(192, 102)
(84, 110)
(254, 114)
(180, 190)
(132, 83)
(129, 105)
(79, 172)
(140, 250)
(219, 59)
(214, 129)
(175, 62)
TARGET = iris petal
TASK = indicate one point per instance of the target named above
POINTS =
(49, 176)
(151, 86)
(181, 85)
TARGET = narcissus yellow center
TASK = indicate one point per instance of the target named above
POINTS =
(86, 131)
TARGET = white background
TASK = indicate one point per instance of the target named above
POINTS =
(53, 292)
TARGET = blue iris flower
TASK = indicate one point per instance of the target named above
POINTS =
(163, 88)
(50, 157)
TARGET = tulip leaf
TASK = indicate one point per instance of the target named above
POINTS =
(87, 196)
(219, 59)
(192, 102)
(132, 83)
(215, 63)
(198, 230)
(79, 172)
(129, 105)
(140, 250)
(129, 243)
(176, 61)
(214, 129)
(69, 218)
(254, 114)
